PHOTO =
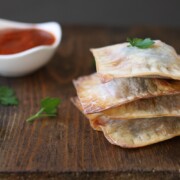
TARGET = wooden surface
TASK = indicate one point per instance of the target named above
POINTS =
(66, 147)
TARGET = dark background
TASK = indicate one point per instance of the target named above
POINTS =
(102, 12)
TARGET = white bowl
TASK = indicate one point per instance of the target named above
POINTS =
(27, 61)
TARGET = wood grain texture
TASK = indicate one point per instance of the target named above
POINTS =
(66, 147)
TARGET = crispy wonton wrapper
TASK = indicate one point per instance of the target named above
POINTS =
(115, 61)
(96, 96)
(143, 108)
(135, 132)
(140, 132)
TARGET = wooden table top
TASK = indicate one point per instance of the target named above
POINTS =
(66, 147)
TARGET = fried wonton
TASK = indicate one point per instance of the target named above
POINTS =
(135, 132)
(143, 108)
(121, 60)
(96, 96)
(140, 132)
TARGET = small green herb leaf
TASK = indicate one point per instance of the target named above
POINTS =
(50, 105)
(140, 43)
(7, 96)
(48, 109)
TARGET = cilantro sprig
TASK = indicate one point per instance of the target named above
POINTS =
(48, 109)
(7, 96)
(140, 43)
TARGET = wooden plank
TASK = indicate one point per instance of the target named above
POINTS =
(66, 146)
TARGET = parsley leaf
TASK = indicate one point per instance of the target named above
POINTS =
(140, 43)
(48, 109)
(7, 96)
(49, 105)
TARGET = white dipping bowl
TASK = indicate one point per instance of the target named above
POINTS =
(28, 61)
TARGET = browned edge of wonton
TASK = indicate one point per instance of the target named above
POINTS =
(143, 108)
(92, 120)
(134, 133)
(109, 77)
(111, 63)
(94, 104)
(140, 132)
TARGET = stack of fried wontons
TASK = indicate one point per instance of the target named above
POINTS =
(134, 98)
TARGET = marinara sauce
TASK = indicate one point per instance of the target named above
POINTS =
(17, 40)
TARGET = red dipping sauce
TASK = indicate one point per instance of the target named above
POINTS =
(17, 40)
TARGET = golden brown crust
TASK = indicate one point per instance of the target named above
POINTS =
(140, 132)
(96, 96)
(137, 132)
(119, 61)
(143, 108)
(92, 118)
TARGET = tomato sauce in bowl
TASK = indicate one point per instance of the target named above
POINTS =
(15, 40)
(26, 47)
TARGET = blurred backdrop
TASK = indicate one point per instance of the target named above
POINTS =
(101, 12)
